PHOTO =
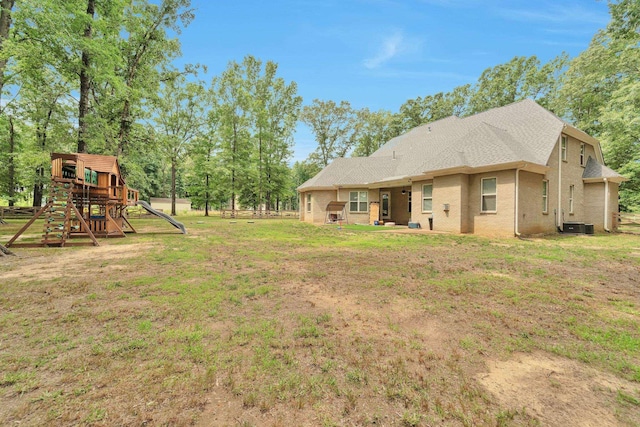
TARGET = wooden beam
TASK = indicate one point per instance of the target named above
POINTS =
(28, 224)
(129, 224)
(86, 227)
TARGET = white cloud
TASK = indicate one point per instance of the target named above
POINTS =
(390, 47)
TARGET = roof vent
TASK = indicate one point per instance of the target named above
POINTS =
(429, 129)
(394, 154)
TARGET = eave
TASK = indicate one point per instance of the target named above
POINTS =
(468, 170)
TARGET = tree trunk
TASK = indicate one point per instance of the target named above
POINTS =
(41, 136)
(173, 185)
(85, 85)
(12, 164)
(260, 198)
(206, 197)
(233, 167)
(125, 128)
(5, 25)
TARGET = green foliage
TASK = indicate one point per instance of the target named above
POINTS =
(250, 134)
(335, 127)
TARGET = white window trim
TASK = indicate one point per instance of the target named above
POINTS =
(572, 190)
(358, 202)
(545, 197)
(308, 202)
(564, 146)
(493, 194)
(425, 198)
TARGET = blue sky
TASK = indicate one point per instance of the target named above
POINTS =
(380, 53)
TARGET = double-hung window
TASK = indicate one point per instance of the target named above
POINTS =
(563, 148)
(571, 193)
(545, 196)
(427, 198)
(582, 163)
(308, 202)
(358, 201)
(489, 195)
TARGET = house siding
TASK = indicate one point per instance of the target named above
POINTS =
(531, 218)
(416, 206)
(613, 205)
(594, 205)
(399, 204)
(319, 202)
(462, 192)
(451, 190)
(357, 217)
(502, 221)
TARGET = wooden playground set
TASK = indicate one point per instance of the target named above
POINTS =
(88, 198)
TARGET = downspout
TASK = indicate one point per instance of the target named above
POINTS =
(559, 209)
(606, 205)
(517, 197)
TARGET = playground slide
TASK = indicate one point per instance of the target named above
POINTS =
(162, 215)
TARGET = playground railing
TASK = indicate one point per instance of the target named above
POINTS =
(13, 212)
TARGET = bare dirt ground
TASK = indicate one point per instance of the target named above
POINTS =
(402, 349)
(558, 392)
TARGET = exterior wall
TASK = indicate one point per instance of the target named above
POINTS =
(399, 204)
(502, 221)
(531, 218)
(613, 205)
(572, 175)
(462, 193)
(319, 202)
(451, 190)
(594, 204)
(357, 217)
(417, 214)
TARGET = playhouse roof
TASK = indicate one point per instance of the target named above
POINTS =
(99, 163)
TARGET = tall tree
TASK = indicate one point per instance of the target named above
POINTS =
(234, 103)
(5, 25)
(335, 127)
(375, 130)
(518, 79)
(416, 112)
(145, 50)
(179, 115)
(601, 94)
(205, 173)
(85, 80)
(275, 110)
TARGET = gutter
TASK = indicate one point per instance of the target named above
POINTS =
(559, 209)
(517, 198)
(606, 205)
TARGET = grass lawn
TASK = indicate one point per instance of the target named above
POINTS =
(279, 323)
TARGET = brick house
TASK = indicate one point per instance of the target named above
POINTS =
(517, 169)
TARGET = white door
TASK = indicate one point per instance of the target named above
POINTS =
(385, 205)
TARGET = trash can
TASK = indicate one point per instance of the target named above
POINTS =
(588, 228)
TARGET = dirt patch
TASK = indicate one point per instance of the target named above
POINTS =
(68, 262)
(557, 391)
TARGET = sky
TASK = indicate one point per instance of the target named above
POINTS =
(380, 53)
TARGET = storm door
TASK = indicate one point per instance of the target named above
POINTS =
(385, 205)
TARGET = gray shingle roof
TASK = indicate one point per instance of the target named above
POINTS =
(595, 170)
(523, 131)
